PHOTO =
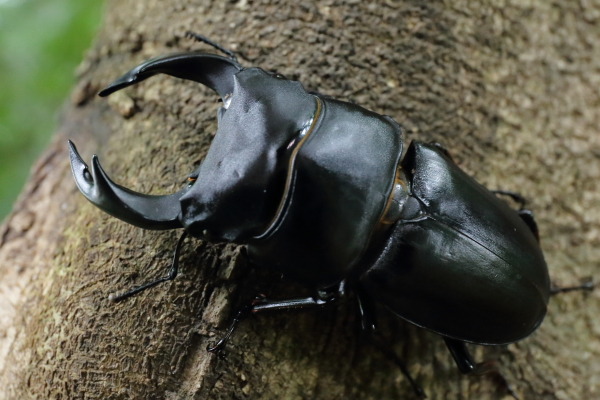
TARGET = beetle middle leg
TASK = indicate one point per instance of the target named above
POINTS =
(466, 364)
(262, 303)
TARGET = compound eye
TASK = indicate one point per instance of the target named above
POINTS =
(278, 75)
(192, 178)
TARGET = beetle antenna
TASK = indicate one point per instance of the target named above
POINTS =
(203, 39)
(170, 276)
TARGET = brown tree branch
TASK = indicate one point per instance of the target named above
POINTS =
(510, 89)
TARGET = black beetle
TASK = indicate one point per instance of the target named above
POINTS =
(316, 188)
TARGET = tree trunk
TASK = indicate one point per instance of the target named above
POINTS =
(510, 88)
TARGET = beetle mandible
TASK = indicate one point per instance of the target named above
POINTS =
(317, 189)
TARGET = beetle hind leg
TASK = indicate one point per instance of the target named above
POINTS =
(586, 284)
(529, 219)
(369, 325)
(466, 365)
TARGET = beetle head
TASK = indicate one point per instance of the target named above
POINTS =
(241, 182)
(236, 192)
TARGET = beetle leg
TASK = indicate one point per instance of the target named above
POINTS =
(528, 218)
(466, 364)
(169, 277)
(369, 324)
(261, 303)
(526, 215)
(586, 284)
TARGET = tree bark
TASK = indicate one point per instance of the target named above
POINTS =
(510, 88)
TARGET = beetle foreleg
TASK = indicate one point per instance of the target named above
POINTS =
(261, 303)
(466, 364)
(170, 276)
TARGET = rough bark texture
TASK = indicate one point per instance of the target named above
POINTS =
(510, 87)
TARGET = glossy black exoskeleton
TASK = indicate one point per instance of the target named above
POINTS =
(316, 189)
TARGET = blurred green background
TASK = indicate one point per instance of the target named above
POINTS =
(41, 43)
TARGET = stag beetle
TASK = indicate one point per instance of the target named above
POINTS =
(316, 188)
